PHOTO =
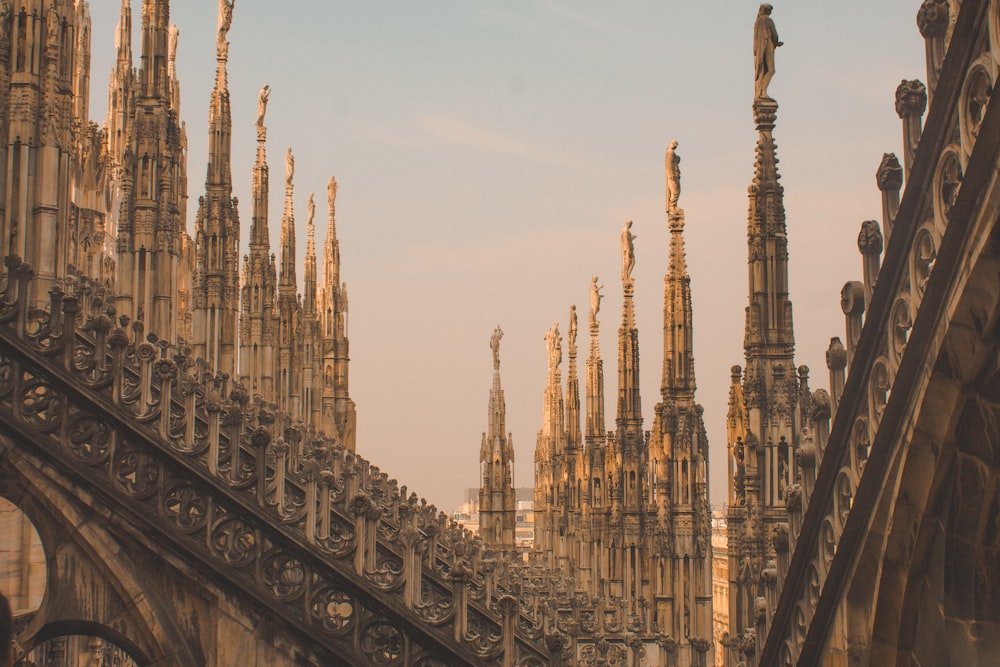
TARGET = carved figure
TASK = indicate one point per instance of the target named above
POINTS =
(311, 208)
(628, 251)
(572, 327)
(553, 342)
(289, 167)
(225, 20)
(331, 190)
(765, 41)
(495, 346)
(672, 163)
(4, 18)
(595, 299)
(265, 93)
(52, 28)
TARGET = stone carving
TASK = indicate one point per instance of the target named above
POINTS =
(890, 173)
(672, 164)
(628, 252)
(932, 18)
(870, 238)
(595, 299)
(173, 36)
(311, 211)
(911, 98)
(331, 190)
(225, 21)
(289, 167)
(765, 41)
(4, 20)
(572, 330)
(495, 346)
(553, 343)
(262, 97)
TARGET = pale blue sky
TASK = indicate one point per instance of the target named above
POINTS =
(488, 154)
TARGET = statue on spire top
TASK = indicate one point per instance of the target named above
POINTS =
(225, 20)
(495, 346)
(672, 163)
(311, 207)
(331, 190)
(765, 41)
(628, 252)
(289, 167)
(595, 299)
(553, 342)
(265, 93)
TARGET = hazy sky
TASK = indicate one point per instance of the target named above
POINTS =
(488, 154)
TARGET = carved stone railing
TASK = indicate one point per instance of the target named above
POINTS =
(312, 531)
(923, 240)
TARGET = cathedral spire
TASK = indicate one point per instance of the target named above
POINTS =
(217, 229)
(287, 282)
(595, 369)
(123, 36)
(678, 335)
(309, 298)
(497, 499)
(629, 404)
(153, 77)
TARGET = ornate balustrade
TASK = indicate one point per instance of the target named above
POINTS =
(312, 531)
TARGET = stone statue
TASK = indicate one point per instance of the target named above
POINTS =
(672, 164)
(225, 20)
(331, 190)
(311, 208)
(173, 35)
(628, 251)
(572, 328)
(495, 346)
(553, 341)
(4, 17)
(765, 41)
(595, 299)
(265, 93)
(289, 167)
(52, 28)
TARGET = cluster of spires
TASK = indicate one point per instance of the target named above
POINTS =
(620, 516)
(117, 217)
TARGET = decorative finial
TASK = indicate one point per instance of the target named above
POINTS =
(265, 93)
(595, 299)
(495, 346)
(225, 22)
(289, 167)
(672, 164)
(628, 252)
(765, 41)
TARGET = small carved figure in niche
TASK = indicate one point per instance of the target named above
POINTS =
(4, 20)
(595, 299)
(225, 19)
(495, 346)
(289, 166)
(628, 251)
(52, 28)
(765, 41)
(672, 163)
(265, 93)
(22, 42)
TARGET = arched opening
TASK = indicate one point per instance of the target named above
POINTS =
(80, 651)
(22, 561)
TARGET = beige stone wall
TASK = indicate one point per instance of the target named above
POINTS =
(22, 560)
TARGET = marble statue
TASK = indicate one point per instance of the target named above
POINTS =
(331, 190)
(765, 41)
(4, 16)
(628, 251)
(172, 36)
(265, 93)
(595, 299)
(553, 341)
(225, 20)
(495, 346)
(572, 327)
(311, 208)
(289, 167)
(672, 163)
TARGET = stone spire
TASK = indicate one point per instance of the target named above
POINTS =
(258, 319)
(339, 411)
(151, 183)
(766, 426)
(629, 416)
(678, 334)
(289, 309)
(550, 449)
(217, 237)
(497, 498)
(309, 285)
